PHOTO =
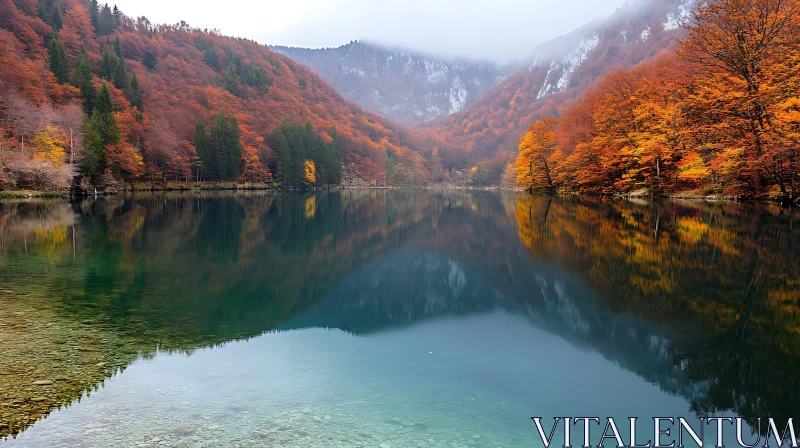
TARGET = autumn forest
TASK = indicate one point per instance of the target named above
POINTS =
(719, 116)
(89, 95)
(93, 99)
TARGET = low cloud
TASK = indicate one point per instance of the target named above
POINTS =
(500, 30)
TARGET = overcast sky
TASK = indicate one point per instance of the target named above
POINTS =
(497, 30)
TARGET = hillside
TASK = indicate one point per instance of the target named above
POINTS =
(160, 80)
(401, 85)
(558, 74)
(716, 118)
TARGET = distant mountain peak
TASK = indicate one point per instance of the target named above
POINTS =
(401, 84)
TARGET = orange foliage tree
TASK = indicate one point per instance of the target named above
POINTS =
(721, 115)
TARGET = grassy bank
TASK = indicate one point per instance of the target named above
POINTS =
(167, 186)
(21, 194)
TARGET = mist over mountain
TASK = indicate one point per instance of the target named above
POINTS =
(161, 85)
(402, 85)
(556, 76)
(476, 112)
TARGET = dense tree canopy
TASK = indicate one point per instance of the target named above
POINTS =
(305, 157)
(220, 152)
(161, 79)
(718, 117)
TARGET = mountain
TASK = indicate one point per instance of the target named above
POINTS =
(182, 75)
(401, 85)
(558, 73)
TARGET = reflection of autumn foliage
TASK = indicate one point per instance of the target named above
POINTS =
(720, 116)
(186, 271)
(311, 206)
(46, 227)
(723, 277)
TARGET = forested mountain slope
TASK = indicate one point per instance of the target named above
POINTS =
(401, 85)
(558, 74)
(717, 117)
(143, 88)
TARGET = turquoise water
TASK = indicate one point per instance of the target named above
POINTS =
(438, 384)
(407, 319)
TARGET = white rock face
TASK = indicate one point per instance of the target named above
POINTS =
(561, 67)
(559, 59)
(681, 14)
(458, 96)
(401, 85)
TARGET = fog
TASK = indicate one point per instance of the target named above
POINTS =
(497, 30)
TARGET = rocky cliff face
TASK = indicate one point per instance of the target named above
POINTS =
(401, 85)
(632, 34)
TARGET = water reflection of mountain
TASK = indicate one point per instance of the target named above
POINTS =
(409, 287)
(689, 296)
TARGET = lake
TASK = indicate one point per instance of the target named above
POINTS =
(406, 318)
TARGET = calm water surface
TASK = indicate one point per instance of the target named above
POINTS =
(403, 318)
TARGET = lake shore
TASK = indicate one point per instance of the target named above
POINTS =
(640, 195)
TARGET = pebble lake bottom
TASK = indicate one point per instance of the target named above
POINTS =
(459, 382)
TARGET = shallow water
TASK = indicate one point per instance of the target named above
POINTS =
(361, 319)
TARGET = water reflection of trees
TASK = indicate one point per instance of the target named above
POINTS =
(724, 278)
(182, 271)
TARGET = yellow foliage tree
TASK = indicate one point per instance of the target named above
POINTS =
(311, 172)
(50, 144)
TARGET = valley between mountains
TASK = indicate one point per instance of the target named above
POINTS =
(95, 99)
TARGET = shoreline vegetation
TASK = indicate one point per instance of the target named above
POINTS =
(641, 195)
(703, 120)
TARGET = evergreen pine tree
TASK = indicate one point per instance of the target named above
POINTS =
(108, 65)
(150, 60)
(230, 82)
(215, 148)
(201, 146)
(117, 18)
(234, 149)
(391, 167)
(94, 10)
(117, 47)
(95, 161)
(58, 60)
(135, 95)
(50, 12)
(297, 172)
(101, 130)
(83, 81)
(104, 104)
(224, 149)
(41, 9)
(335, 158)
(112, 68)
(58, 21)
(279, 144)
(105, 21)
(121, 79)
